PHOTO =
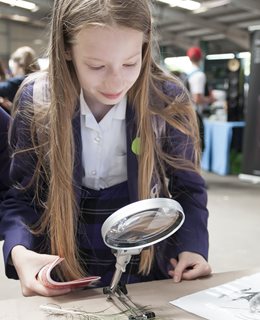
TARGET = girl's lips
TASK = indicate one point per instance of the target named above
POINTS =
(111, 95)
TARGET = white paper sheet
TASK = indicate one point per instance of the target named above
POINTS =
(236, 300)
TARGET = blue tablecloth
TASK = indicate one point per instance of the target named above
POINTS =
(218, 137)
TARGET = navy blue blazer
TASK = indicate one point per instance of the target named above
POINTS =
(4, 153)
(9, 87)
(186, 187)
(4, 158)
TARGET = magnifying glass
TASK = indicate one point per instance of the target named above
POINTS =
(139, 225)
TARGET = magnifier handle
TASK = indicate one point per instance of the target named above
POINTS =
(116, 278)
(121, 262)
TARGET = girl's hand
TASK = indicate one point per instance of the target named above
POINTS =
(6, 104)
(27, 264)
(190, 266)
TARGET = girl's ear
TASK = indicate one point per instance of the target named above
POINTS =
(68, 55)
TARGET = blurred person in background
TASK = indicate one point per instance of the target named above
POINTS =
(2, 72)
(22, 62)
(198, 87)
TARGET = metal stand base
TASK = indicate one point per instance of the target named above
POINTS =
(124, 303)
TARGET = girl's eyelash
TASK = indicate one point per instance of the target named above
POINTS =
(96, 68)
(130, 65)
(101, 67)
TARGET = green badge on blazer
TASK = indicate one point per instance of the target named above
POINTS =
(136, 146)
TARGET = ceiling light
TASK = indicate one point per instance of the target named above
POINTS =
(185, 4)
(215, 3)
(221, 56)
(254, 27)
(17, 17)
(205, 6)
(21, 4)
(244, 55)
(181, 63)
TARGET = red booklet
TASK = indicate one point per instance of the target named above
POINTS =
(44, 276)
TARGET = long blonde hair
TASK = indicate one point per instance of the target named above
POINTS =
(61, 211)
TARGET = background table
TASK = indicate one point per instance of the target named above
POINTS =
(155, 294)
(217, 138)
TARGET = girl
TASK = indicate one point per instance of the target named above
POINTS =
(22, 62)
(104, 127)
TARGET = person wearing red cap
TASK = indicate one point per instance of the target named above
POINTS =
(197, 80)
(197, 85)
(195, 54)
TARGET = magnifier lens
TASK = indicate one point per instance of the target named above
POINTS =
(143, 227)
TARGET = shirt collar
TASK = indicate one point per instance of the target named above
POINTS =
(119, 110)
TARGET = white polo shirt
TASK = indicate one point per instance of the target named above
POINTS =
(103, 146)
(197, 80)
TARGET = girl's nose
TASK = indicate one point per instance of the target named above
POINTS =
(114, 80)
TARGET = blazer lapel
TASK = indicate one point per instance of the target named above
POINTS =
(132, 163)
(78, 169)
